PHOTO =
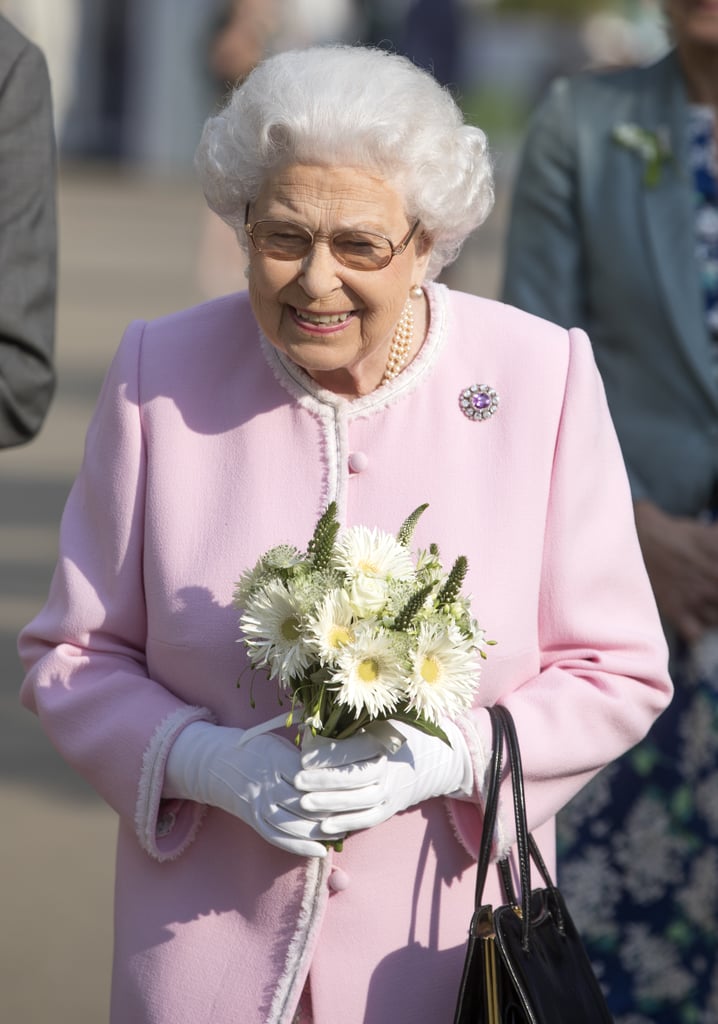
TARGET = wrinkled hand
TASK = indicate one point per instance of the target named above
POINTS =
(681, 557)
(253, 782)
(359, 782)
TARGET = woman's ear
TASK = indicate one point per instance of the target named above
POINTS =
(424, 246)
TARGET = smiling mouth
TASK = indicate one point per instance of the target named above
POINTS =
(321, 319)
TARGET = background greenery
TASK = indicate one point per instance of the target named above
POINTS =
(574, 9)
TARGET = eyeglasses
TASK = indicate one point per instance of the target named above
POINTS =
(359, 250)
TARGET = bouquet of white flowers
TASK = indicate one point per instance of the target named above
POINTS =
(355, 630)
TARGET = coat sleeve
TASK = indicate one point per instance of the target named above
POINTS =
(603, 675)
(543, 270)
(84, 653)
(549, 238)
(27, 247)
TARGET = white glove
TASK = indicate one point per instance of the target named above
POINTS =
(252, 781)
(358, 782)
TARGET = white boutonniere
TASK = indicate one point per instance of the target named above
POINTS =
(654, 148)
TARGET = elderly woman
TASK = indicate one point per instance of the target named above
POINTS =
(220, 431)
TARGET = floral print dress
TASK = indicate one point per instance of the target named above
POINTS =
(638, 848)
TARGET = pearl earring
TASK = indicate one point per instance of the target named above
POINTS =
(416, 291)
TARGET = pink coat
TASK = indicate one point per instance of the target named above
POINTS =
(206, 449)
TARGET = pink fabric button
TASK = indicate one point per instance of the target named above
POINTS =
(358, 462)
(338, 880)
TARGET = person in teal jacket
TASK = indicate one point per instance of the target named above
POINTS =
(614, 228)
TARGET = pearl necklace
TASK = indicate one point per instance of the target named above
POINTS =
(400, 344)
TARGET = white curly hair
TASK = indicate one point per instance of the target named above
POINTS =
(354, 106)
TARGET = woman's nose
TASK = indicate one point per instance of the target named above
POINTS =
(319, 274)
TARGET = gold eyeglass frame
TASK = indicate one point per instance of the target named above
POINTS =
(395, 250)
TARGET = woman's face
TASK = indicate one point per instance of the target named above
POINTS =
(693, 22)
(293, 299)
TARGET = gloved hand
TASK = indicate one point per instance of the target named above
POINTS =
(252, 781)
(359, 782)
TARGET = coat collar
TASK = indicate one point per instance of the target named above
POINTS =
(323, 402)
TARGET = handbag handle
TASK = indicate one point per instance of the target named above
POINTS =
(522, 832)
(504, 729)
(490, 806)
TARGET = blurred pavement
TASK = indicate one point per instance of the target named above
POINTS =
(128, 249)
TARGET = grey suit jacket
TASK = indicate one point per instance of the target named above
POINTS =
(591, 244)
(28, 243)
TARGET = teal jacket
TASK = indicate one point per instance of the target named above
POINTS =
(593, 244)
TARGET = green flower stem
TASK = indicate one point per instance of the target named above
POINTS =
(332, 722)
(359, 723)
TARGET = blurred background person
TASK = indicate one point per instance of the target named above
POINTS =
(28, 239)
(53, 25)
(245, 32)
(240, 40)
(615, 228)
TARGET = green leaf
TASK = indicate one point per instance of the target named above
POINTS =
(409, 718)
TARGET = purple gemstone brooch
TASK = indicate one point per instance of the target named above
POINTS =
(478, 402)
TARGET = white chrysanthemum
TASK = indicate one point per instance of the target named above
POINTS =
(273, 632)
(445, 672)
(248, 583)
(372, 553)
(369, 675)
(332, 624)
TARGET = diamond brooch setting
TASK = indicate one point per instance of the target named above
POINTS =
(478, 402)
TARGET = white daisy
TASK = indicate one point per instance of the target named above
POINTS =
(361, 551)
(369, 675)
(445, 672)
(273, 631)
(332, 624)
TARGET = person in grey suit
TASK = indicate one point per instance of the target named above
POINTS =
(614, 228)
(28, 238)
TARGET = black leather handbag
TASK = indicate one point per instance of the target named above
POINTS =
(525, 962)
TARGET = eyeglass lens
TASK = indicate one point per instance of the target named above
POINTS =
(361, 250)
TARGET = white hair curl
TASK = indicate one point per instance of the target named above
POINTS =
(359, 107)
